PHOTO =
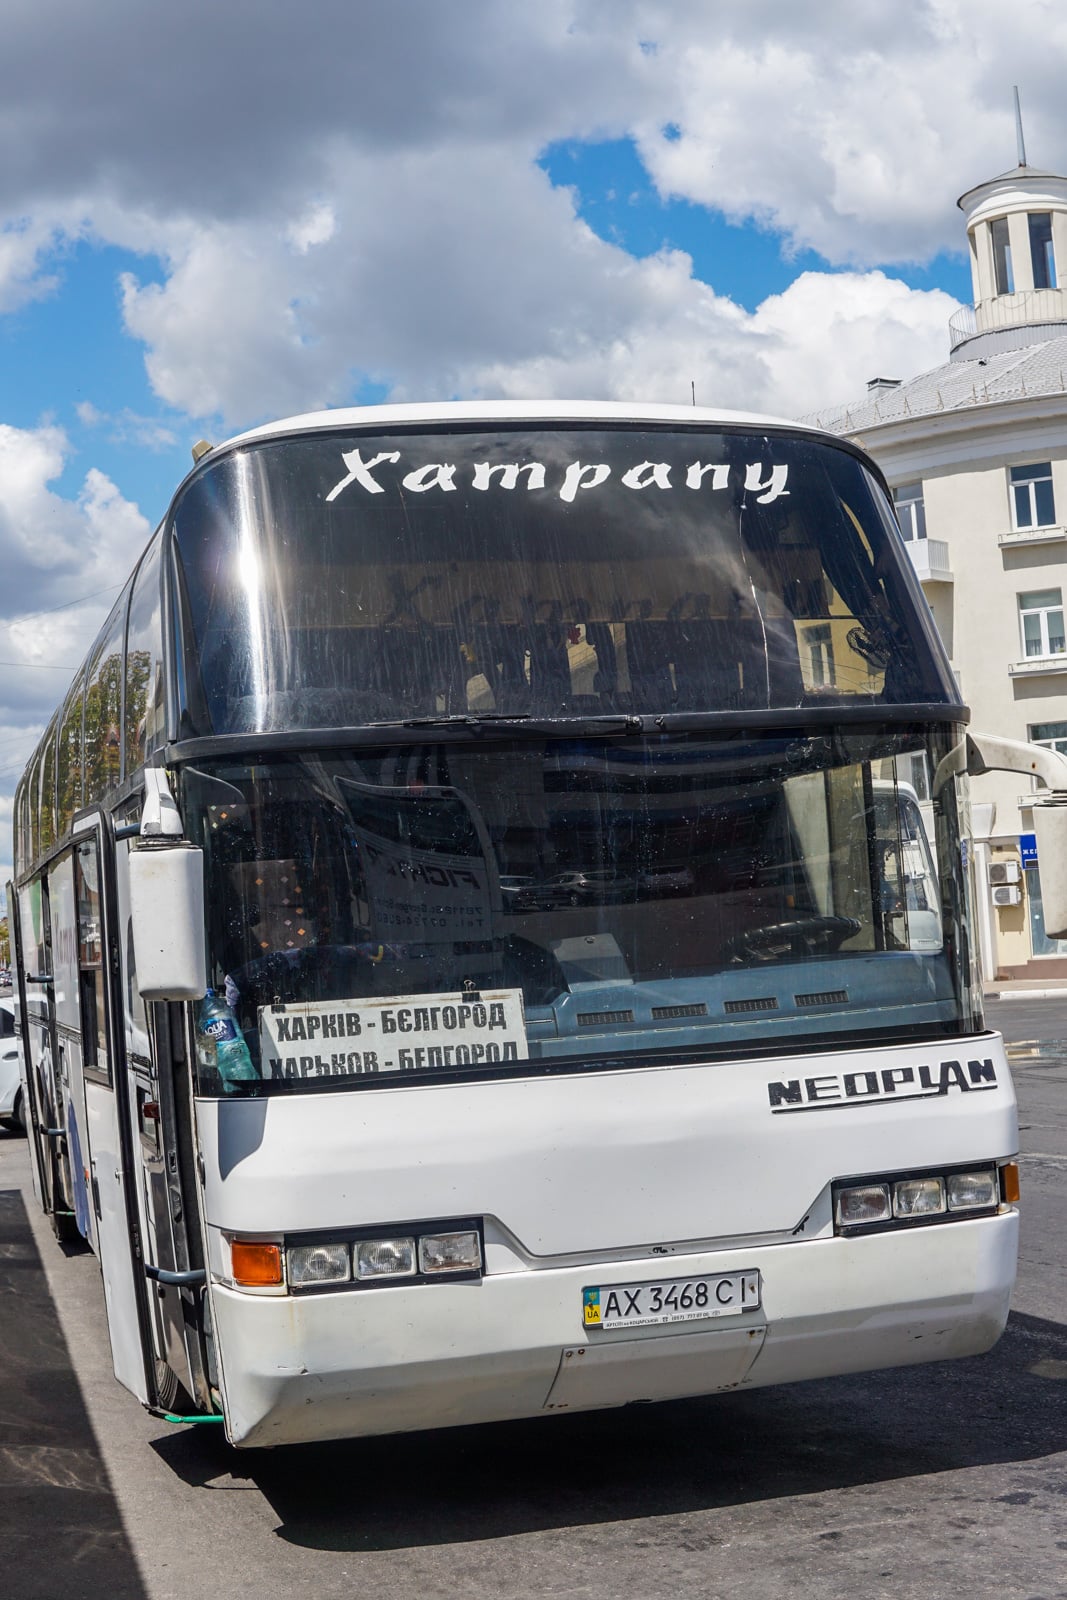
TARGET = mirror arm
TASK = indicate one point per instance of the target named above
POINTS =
(979, 753)
(160, 818)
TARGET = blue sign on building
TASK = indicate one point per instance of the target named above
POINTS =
(1028, 849)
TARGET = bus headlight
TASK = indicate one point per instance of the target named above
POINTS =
(385, 1258)
(972, 1191)
(355, 1259)
(889, 1200)
(450, 1252)
(865, 1203)
(918, 1197)
(319, 1263)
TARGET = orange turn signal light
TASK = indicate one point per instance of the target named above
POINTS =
(256, 1266)
(1009, 1182)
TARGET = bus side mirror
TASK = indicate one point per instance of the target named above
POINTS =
(167, 920)
(1050, 828)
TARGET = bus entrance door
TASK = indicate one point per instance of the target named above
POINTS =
(63, 915)
(159, 1164)
(106, 1144)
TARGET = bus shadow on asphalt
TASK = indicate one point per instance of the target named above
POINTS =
(465, 1484)
(61, 1530)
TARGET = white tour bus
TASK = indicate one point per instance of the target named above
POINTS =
(479, 950)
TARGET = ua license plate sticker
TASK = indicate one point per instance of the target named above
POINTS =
(645, 1305)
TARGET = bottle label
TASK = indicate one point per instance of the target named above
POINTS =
(220, 1029)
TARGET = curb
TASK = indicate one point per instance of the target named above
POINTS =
(1027, 994)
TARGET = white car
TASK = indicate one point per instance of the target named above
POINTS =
(10, 1079)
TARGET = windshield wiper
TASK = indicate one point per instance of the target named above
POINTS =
(465, 718)
(522, 722)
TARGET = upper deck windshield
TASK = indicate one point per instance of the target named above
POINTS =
(337, 580)
(492, 904)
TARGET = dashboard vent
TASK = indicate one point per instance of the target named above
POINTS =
(667, 1013)
(827, 997)
(768, 1003)
(594, 1019)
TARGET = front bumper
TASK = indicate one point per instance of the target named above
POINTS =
(344, 1364)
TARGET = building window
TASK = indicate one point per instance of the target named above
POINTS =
(1041, 616)
(820, 642)
(1002, 256)
(911, 513)
(1039, 939)
(1032, 505)
(1042, 256)
(1052, 734)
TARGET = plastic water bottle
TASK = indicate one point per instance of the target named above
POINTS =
(220, 1044)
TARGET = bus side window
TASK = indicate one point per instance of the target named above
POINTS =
(103, 706)
(144, 703)
(71, 765)
(47, 796)
(90, 956)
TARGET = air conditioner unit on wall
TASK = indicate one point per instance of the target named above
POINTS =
(1004, 872)
(1006, 895)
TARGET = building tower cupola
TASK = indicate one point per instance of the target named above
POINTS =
(1017, 231)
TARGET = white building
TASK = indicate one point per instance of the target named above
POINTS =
(976, 454)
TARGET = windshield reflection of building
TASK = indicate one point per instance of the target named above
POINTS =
(690, 857)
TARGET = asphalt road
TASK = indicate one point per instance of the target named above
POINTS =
(926, 1482)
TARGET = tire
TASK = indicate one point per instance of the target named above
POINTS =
(171, 1393)
(13, 1121)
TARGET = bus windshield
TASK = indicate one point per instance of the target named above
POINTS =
(478, 906)
(338, 580)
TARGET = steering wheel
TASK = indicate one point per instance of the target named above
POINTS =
(798, 937)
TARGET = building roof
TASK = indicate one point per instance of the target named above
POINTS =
(1019, 174)
(1027, 373)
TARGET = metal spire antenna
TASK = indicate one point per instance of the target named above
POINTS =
(1020, 143)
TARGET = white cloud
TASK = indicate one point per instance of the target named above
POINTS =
(849, 128)
(828, 334)
(38, 529)
(127, 426)
(64, 561)
(854, 135)
(820, 340)
(316, 226)
(451, 273)
(363, 203)
(49, 544)
(24, 242)
(54, 551)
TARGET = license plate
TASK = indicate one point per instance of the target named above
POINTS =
(644, 1305)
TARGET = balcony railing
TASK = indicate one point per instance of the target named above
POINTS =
(962, 324)
(1007, 311)
(930, 559)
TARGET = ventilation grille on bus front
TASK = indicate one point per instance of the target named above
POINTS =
(766, 1004)
(828, 997)
(667, 1013)
(594, 1019)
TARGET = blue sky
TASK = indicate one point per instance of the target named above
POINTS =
(748, 262)
(68, 350)
(212, 216)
